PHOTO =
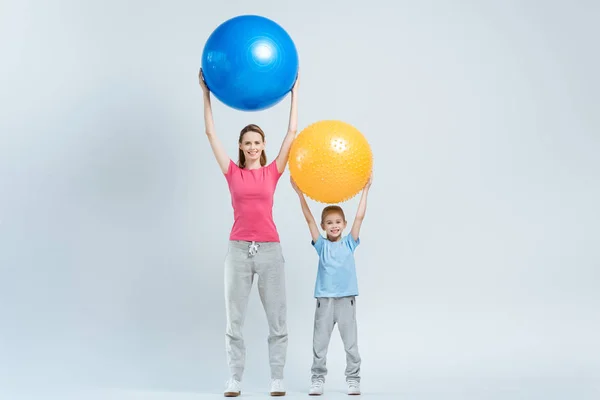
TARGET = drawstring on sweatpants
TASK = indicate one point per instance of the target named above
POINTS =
(253, 248)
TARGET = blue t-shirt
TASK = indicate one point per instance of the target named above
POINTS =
(336, 274)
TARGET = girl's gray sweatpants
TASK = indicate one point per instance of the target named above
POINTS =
(244, 260)
(329, 312)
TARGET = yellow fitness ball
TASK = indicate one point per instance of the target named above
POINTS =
(330, 161)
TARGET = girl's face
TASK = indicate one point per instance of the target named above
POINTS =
(252, 145)
(334, 225)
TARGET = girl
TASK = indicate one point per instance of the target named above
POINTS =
(336, 288)
(254, 246)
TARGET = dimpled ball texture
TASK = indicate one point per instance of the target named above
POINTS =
(330, 161)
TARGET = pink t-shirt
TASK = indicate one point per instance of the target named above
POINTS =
(252, 193)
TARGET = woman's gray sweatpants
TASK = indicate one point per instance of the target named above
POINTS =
(243, 261)
(330, 311)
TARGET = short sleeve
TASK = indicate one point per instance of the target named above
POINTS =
(352, 244)
(232, 167)
(318, 245)
(273, 171)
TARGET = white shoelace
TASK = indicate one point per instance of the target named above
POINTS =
(231, 382)
(253, 248)
(276, 385)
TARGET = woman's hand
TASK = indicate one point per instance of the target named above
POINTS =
(296, 84)
(202, 82)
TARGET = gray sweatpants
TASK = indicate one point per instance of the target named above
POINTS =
(243, 261)
(330, 311)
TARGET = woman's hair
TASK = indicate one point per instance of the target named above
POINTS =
(330, 210)
(241, 156)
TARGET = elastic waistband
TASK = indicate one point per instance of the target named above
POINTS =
(244, 244)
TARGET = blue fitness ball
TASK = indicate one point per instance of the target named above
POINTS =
(249, 63)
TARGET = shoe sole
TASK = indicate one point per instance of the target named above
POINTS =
(277, 393)
(232, 394)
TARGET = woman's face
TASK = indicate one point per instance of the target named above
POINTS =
(252, 145)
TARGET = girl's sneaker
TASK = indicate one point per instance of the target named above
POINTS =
(316, 388)
(353, 387)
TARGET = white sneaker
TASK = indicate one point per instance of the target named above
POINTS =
(277, 387)
(233, 388)
(353, 387)
(316, 388)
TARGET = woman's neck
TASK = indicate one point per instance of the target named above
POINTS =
(254, 164)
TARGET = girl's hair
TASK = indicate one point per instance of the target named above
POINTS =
(330, 210)
(241, 156)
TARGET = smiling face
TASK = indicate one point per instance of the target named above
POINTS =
(252, 144)
(333, 223)
(252, 147)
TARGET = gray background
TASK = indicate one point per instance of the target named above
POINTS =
(479, 262)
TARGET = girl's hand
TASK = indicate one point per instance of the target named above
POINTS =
(202, 83)
(296, 188)
(369, 182)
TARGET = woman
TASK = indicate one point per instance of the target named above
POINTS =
(254, 246)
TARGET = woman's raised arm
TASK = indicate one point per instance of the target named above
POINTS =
(284, 151)
(209, 126)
